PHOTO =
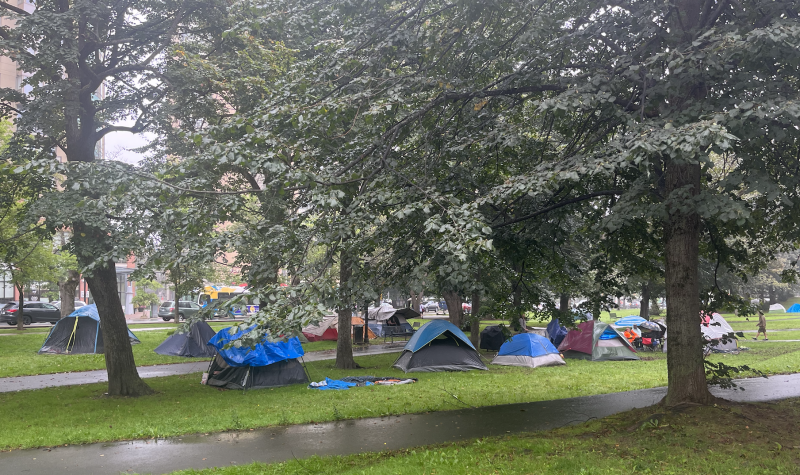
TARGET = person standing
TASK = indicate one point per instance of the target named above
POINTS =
(762, 326)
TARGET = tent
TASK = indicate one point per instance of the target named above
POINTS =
(193, 343)
(719, 334)
(597, 341)
(492, 338)
(327, 329)
(386, 315)
(360, 321)
(777, 308)
(555, 332)
(528, 349)
(78, 332)
(267, 365)
(439, 346)
(794, 308)
(629, 321)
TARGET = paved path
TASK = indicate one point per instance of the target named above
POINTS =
(355, 436)
(22, 383)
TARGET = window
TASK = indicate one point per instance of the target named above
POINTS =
(33, 305)
(48, 307)
(122, 284)
(6, 287)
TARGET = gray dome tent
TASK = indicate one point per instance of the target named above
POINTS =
(78, 332)
(193, 343)
(439, 346)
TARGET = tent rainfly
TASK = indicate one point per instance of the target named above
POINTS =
(386, 315)
(327, 329)
(528, 349)
(78, 332)
(777, 308)
(191, 344)
(267, 365)
(719, 334)
(597, 341)
(438, 346)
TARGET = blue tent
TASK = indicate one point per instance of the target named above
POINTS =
(528, 349)
(267, 365)
(78, 332)
(629, 321)
(794, 308)
(264, 353)
(439, 346)
(555, 332)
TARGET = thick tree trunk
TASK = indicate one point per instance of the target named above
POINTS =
(66, 292)
(344, 342)
(686, 372)
(644, 306)
(596, 309)
(123, 379)
(20, 317)
(475, 323)
(454, 310)
(772, 297)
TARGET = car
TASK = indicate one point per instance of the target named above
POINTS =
(185, 309)
(466, 307)
(32, 312)
(57, 304)
(432, 307)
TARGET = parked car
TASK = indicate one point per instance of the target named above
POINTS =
(57, 304)
(32, 312)
(185, 309)
(466, 307)
(432, 307)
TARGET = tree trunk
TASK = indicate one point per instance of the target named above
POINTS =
(563, 304)
(475, 323)
(344, 342)
(686, 372)
(644, 310)
(66, 292)
(20, 317)
(454, 310)
(772, 298)
(416, 300)
(596, 309)
(366, 323)
(123, 379)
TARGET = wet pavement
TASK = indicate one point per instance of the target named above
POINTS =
(349, 437)
(22, 383)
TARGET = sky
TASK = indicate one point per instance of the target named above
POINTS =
(119, 146)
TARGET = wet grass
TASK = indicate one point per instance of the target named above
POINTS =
(18, 355)
(751, 439)
(80, 414)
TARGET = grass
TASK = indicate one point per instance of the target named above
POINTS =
(742, 439)
(18, 355)
(79, 414)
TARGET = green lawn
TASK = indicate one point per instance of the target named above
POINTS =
(80, 414)
(18, 355)
(746, 440)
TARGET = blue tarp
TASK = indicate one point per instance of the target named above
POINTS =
(794, 308)
(91, 312)
(556, 332)
(337, 384)
(264, 353)
(629, 321)
(609, 333)
(433, 329)
(527, 344)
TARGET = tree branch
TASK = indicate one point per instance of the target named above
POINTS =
(559, 205)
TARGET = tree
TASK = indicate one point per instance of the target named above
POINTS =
(89, 64)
